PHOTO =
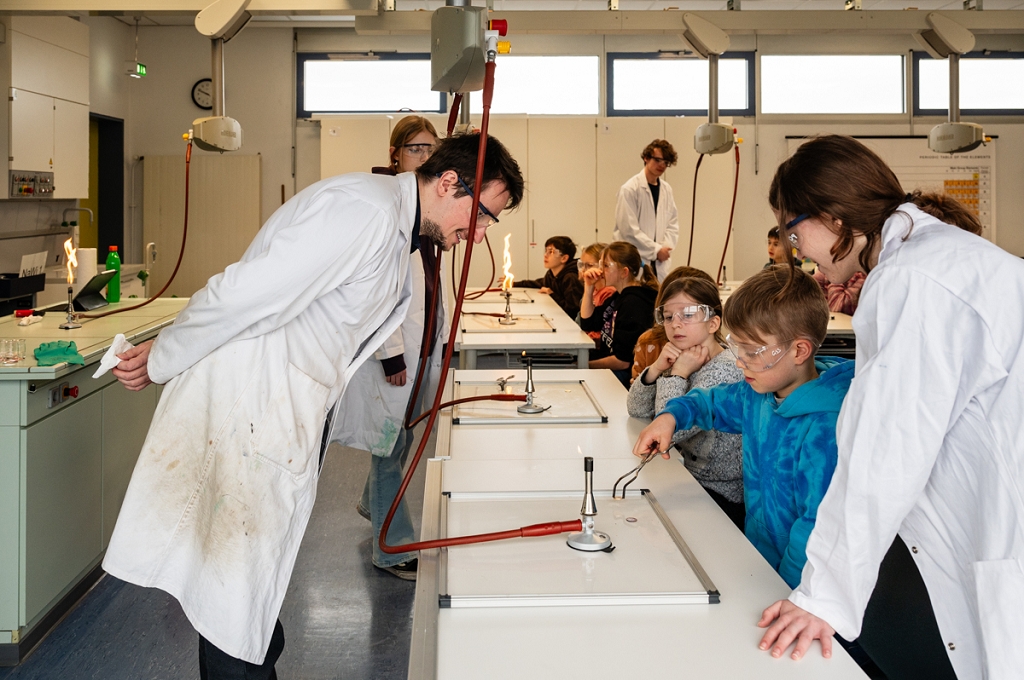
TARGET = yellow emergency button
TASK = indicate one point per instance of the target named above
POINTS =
(504, 47)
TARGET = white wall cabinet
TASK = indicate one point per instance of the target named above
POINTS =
(44, 69)
(70, 149)
(561, 172)
(32, 131)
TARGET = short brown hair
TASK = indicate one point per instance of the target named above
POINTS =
(406, 129)
(458, 153)
(701, 289)
(667, 152)
(780, 301)
(627, 256)
(836, 176)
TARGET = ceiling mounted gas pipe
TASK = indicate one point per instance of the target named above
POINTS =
(709, 41)
(947, 40)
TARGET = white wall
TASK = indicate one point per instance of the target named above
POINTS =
(261, 84)
(259, 94)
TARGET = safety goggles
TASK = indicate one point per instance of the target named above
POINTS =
(757, 359)
(483, 214)
(794, 240)
(686, 315)
(418, 150)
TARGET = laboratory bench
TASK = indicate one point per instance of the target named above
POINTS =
(68, 445)
(558, 335)
(528, 461)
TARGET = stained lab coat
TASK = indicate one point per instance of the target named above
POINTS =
(225, 483)
(931, 445)
(637, 222)
(372, 412)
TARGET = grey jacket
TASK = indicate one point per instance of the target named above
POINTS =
(714, 459)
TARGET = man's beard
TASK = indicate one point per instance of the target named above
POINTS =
(432, 230)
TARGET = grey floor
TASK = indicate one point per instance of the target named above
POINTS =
(343, 619)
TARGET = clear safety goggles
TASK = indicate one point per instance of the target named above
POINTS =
(418, 150)
(687, 315)
(757, 359)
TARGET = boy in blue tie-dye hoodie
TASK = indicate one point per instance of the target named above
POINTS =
(786, 410)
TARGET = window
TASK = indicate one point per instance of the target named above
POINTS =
(832, 83)
(366, 84)
(989, 84)
(545, 85)
(649, 84)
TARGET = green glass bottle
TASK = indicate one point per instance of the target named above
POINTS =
(114, 285)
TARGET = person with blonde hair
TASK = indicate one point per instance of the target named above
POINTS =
(412, 141)
(625, 315)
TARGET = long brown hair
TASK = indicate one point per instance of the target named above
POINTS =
(406, 129)
(679, 273)
(835, 176)
(628, 257)
(700, 290)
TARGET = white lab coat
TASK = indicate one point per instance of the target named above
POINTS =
(637, 222)
(225, 483)
(372, 412)
(931, 445)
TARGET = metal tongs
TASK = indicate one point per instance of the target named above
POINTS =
(632, 474)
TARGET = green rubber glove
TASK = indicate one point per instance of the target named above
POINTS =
(59, 352)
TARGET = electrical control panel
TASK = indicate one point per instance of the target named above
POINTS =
(29, 184)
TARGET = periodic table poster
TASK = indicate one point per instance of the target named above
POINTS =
(967, 177)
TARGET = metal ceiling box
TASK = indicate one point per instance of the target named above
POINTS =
(456, 49)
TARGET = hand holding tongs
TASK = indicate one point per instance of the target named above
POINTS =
(633, 474)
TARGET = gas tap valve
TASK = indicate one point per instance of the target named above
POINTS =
(589, 540)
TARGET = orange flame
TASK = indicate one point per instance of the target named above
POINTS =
(506, 265)
(72, 260)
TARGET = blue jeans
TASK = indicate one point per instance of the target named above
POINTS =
(379, 492)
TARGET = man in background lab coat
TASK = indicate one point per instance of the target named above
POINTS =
(645, 212)
(225, 483)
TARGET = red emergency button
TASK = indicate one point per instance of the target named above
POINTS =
(71, 392)
(499, 25)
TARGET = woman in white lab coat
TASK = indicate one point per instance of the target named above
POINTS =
(931, 448)
(372, 413)
(224, 486)
(650, 224)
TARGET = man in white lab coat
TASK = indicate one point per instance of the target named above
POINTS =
(645, 212)
(225, 483)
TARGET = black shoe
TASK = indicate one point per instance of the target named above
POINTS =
(403, 570)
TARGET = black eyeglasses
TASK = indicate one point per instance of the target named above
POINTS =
(483, 212)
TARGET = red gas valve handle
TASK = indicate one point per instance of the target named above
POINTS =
(71, 392)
